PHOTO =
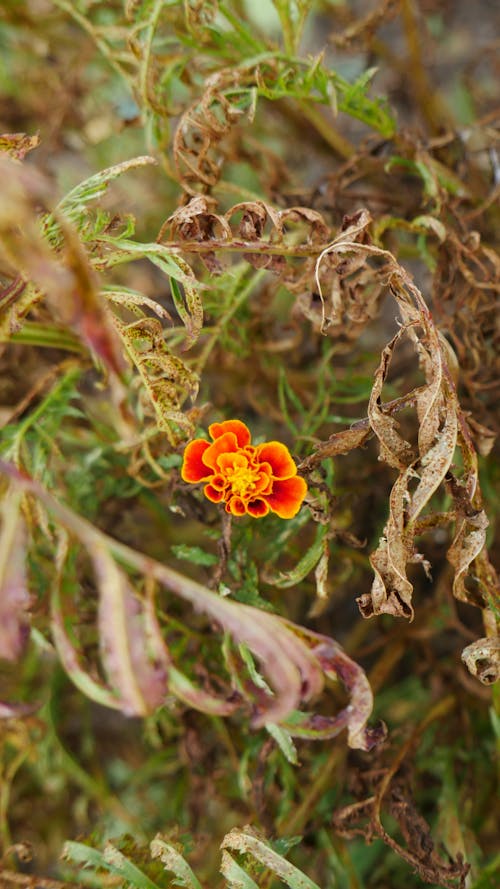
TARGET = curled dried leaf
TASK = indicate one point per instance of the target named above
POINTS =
(442, 428)
(482, 659)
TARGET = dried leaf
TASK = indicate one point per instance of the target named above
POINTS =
(17, 145)
(482, 659)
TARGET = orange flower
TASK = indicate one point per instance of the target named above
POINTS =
(247, 478)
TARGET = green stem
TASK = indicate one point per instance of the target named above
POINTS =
(226, 317)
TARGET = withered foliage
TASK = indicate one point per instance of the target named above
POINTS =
(392, 793)
(321, 262)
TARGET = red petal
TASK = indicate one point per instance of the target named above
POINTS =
(257, 508)
(225, 444)
(218, 482)
(213, 494)
(287, 496)
(241, 431)
(279, 457)
(193, 468)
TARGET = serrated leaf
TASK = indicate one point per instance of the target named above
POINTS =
(234, 874)
(248, 843)
(174, 861)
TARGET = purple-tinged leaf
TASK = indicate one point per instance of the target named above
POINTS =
(135, 661)
(337, 665)
(14, 596)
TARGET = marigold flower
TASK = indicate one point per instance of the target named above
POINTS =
(252, 479)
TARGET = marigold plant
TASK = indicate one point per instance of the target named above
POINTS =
(249, 479)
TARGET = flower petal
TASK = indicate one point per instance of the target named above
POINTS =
(193, 468)
(278, 455)
(232, 461)
(213, 494)
(287, 496)
(236, 506)
(257, 508)
(263, 483)
(218, 482)
(227, 443)
(241, 431)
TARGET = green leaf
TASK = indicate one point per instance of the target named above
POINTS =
(284, 742)
(94, 187)
(306, 564)
(194, 554)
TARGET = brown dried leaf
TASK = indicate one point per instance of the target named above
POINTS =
(442, 427)
(482, 659)
(394, 449)
(338, 443)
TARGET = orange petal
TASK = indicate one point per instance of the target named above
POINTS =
(236, 506)
(264, 482)
(227, 443)
(193, 468)
(257, 508)
(287, 496)
(241, 431)
(213, 494)
(278, 455)
(231, 461)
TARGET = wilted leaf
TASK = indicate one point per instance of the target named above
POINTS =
(167, 380)
(442, 427)
(133, 654)
(16, 710)
(337, 665)
(14, 595)
(65, 279)
(293, 659)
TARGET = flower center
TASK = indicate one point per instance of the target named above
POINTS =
(242, 480)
